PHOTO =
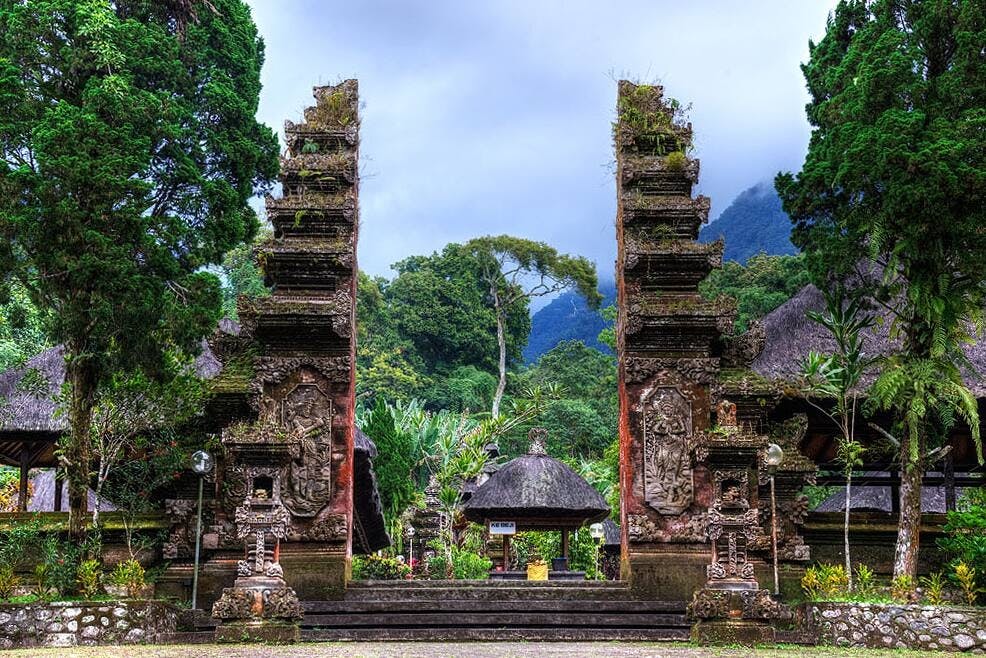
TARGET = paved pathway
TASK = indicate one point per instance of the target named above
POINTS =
(455, 650)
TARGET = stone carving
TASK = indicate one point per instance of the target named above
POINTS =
(699, 371)
(331, 528)
(733, 526)
(740, 351)
(271, 371)
(181, 537)
(709, 604)
(759, 604)
(667, 468)
(688, 529)
(726, 416)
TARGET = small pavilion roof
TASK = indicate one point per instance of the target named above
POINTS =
(538, 492)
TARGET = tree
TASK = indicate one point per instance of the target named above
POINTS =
(837, 377)
(515, 271)
(129, 151)
(439, 303)
(758, 287)
(240, 274)
(23, 326)
(394, 464)
(895, 175)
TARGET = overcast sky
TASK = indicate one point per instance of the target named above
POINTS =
(493, 116)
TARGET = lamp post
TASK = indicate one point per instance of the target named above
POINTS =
(410, 550)
(597, 533)
(202, 464)
(774, 458)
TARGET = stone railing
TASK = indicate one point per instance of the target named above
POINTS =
(880, 625)
(72, 623)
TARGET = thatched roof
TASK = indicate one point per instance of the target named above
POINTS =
(28, 410)
(536, 490)
(791, 335)
(369, 531)
(43, 496)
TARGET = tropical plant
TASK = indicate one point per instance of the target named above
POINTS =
(129, 151)
(836, 377)
(89, 577)
(130, 575)
(896, 108)
(9, 581)
(966, 578)
(378, 567)
(934, 588)
(43, 589)
(902, 588)
(965, 530)
(825, 582)
(865, 585)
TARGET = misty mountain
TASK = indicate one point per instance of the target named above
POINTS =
(753, 222)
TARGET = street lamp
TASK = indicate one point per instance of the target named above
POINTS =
(410, 551)
(202, 464)
(774, 458)
(597, 532)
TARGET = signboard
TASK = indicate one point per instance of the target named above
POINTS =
(503, 528)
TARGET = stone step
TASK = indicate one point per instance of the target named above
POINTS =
(458, 605)
(486, 584)
(407, 619)
(499, 593)
(467, 634)
(187, 637)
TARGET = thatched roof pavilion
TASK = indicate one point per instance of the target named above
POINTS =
(538, 492)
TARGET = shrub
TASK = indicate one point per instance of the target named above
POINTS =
(825, 582)
(676, 161)
(8, 581)
(865, 582)
(43, 589)
(376, 567)
(965, 530)
(88, 577)
(966, 577)
(934, 588)
(902, 589)
(129, 575)
(467, 565)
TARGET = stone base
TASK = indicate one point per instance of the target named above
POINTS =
(263, 631)
(742, 632)
(665, 575)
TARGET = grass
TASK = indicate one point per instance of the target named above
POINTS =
(464, 650)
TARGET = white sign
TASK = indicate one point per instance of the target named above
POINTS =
(503, 528)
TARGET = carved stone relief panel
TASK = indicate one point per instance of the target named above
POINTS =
(306, 414)
(668, 471)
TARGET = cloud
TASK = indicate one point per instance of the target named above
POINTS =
(494, 117)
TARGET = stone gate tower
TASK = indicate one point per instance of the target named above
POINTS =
(298, 347)
(668, 345)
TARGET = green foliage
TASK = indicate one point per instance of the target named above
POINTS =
(865, 586)
(9, 581)
(825, 582)
(464, 565)
(464, 389)
(934, 588)
(608, 335)
(125, 169)
(397, 456)
(376, 567)
(902, 588)
(88, 578)
(816, 494)
(131, 576)
(965, 576)
(240, 274)
(42, 587)
(23, 326)
(965, 530)
(897, 95)
(758, 287)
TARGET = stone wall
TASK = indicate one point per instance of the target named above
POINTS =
(896, 626)
(73, 623)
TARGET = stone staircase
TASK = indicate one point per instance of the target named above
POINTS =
(483, 610)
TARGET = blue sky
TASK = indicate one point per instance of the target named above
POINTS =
(487, 117)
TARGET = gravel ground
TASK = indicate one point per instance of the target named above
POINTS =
(455, 650)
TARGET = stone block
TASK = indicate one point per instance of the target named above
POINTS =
(744, 633)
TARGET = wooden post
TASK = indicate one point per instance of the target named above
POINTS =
(506, 553)
(25, 465)
(58, 491)
(564, 542)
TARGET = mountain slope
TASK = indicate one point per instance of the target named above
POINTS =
(568, 317)
(752, 223)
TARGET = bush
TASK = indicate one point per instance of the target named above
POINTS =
(129, 575)
(902, 589)
(375, 567)
(88, 577)
(865, 584)
(966, 578)
(934, 588)
(8, 581)
(43, 589)
(825, 582)
(965, 536)
(467, 565)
